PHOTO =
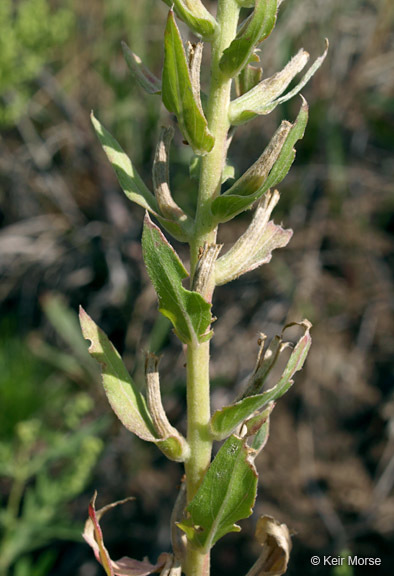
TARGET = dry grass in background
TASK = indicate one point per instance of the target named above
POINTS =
(328, 469)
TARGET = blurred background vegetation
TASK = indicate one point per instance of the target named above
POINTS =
(69, 237)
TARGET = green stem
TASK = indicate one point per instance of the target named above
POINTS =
(217, 115)
(198, 415)
(198, 391)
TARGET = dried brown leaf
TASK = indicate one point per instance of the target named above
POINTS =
(275, 540)
(125, 566)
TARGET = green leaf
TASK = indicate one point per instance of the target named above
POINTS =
(132, 184)
(257, 28)
(189, 313)
(287, 154)
(226, 495)
(266, 95)
(253, 179)
(278, 158)
(129, 179)
(305, 79)
(125, 399)
(225, 420)
(141, 73)
(177, 92)
(196, 16)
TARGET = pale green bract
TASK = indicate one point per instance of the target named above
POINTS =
(239, 198)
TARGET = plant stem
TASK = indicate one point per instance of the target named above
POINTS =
(198, 392)
(198, 414)
(217, 115)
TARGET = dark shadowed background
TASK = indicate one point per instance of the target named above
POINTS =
(69, 236)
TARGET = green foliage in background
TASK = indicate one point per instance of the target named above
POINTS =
(31, 31)
(345, 569)
(45, 422)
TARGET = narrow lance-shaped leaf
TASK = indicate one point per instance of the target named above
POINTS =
(125, 566)
(253, 179)
(177, 91)
(226, 495)
(276, 159)
(129, 179)
(305, 79)
(258, 27)
(125, 399)
(133, 185)
(189, 313)
(287, 154)
(196, 16)
(260, 97)
(225, 420)
(266, 96)
(147, 80)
